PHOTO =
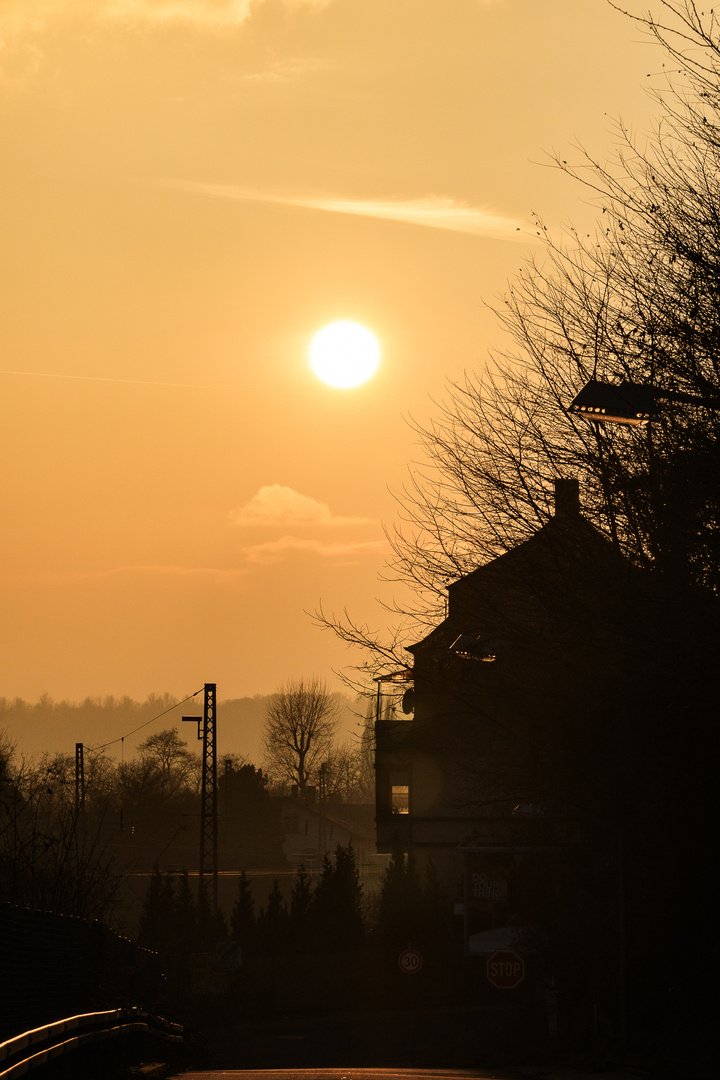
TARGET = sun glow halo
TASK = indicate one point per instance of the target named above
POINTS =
(344, 354)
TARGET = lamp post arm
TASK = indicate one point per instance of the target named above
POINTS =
(687, 399)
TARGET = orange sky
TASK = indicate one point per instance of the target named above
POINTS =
(191, 188)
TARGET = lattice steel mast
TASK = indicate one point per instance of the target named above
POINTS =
(208, 794)
(207, 731)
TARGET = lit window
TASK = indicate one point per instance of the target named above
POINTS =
(400, 793)
(400, 799)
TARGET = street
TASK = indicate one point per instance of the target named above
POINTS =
(340, 1074)
(528, 1073)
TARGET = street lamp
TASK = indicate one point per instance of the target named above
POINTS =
(628, 403)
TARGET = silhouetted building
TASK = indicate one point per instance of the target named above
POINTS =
(548, 711)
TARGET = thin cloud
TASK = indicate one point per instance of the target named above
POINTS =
(276, 504)
(21, 16)
(431, 211)
(274, 551)
(194, 12)
(304, 524)
(288, 69)
(21, 60)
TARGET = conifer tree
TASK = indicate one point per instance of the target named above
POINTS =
(205, 929)
(273, 922)
(337, 903)
(154, 928)
(399, 912)
(185, 915)
(219, 924)
(300, 908)
(436, 911)
(243, 924)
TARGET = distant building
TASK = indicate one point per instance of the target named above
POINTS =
(311, 830)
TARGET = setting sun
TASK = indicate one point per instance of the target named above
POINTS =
(344, 354)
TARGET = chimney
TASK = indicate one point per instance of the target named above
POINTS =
(567, 497)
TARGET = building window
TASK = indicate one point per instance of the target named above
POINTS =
(400, 792)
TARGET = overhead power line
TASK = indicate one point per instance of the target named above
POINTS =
(113, 742)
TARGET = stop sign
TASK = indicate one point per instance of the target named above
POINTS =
(505, 969)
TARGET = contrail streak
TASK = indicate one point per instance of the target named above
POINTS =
(431, 211)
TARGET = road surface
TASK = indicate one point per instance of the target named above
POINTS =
(338, 1074)
(527, 1073)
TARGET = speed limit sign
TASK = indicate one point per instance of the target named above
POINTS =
(410, 961)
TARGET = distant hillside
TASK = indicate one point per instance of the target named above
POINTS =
(56, 726)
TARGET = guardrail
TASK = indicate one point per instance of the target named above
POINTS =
(60, 965)
(39, 1045)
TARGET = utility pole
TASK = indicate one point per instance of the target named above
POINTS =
(208, 794)
(79, 777)
(322, 820)
(207, 731)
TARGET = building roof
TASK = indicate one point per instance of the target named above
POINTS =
(561, 572)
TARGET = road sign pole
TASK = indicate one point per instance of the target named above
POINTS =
(411, 1014)
(410, 961)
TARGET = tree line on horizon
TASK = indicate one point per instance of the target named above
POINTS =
(51, 723)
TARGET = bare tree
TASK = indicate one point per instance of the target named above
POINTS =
(53, 855)
(167, 753)
(300, 725)
(349, 776)
(636, 299)
(164, 771)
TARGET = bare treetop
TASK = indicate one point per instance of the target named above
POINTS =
(300, 725)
